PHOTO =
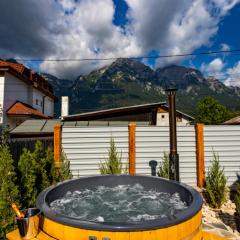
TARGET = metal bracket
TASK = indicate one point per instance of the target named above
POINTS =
(92, 238)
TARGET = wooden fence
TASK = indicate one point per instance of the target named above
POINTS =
(17, 145)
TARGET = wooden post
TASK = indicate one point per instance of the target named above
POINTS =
(57, 145)
(199, 128)
(132, 148)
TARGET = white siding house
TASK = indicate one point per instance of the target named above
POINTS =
(23, 95)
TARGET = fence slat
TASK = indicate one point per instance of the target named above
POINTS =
(16, 145)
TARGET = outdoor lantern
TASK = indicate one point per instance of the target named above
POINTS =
(173, 156)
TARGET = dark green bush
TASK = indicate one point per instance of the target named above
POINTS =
(36, 171)
(216, 184)
(8, 191)
(63, 172)
(163, 170)
(113, 165)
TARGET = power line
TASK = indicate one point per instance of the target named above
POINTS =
(134, 58)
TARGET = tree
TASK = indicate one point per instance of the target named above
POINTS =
(210, 111)
(8, 190)
(37, 172)
(113, 165)
(163, 170)
(28, 168)
(61, 173)
(216, 184)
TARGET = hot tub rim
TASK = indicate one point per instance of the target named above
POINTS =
(181, 217)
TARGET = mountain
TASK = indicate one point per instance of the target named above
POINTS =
(127, 82)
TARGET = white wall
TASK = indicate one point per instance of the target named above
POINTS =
(49, 107)
(224, 140)
(2, 79)
(37, 95)
(86, 147)
(48, 103)
(153, 141)
(163, 120)
(14, 89)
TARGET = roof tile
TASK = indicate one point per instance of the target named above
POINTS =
(20, 108)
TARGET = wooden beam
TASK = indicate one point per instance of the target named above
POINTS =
(57, 144)
(132, 148)
(199, 128)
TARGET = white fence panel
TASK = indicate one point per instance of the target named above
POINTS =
(86, 147)
(225, 141)
(153, 141)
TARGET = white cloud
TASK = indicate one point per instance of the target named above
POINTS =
(85, 29)
(225, 47)
(179, 27)
(214, 68)
(224, 6)
(91, 35)
(233, 78)
(67, 5)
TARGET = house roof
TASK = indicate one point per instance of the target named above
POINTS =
(113, 111)
(23, 109)
(109, 112)
(233, 121)
(16, 66)
(46, 127)
(29, 77)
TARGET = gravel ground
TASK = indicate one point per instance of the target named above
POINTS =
(223, 215)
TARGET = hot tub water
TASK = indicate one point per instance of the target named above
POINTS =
(119, 204)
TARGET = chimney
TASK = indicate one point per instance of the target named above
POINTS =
(65, 106)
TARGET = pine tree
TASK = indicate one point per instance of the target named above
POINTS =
(28, 169)
(113, 165)
(163, 170)
(216, 188)
(63, 172)
(8, 191)
(37, 172)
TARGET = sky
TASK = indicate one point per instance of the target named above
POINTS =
(77, 29)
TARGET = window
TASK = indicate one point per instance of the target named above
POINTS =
(41, 103)
(179, 119)
(36, 101)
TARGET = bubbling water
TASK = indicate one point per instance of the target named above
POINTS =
(120, 204)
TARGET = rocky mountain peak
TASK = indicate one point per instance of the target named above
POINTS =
(128, 82)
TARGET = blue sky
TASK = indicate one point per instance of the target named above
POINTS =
(73, 29)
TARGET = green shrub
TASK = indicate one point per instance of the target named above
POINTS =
(113, 165)
(163, 170)
(63, 172)
(216, 188)
(8, 191)
(37, 172)
(33, 175)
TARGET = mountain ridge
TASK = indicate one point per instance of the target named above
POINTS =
(127, 82)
